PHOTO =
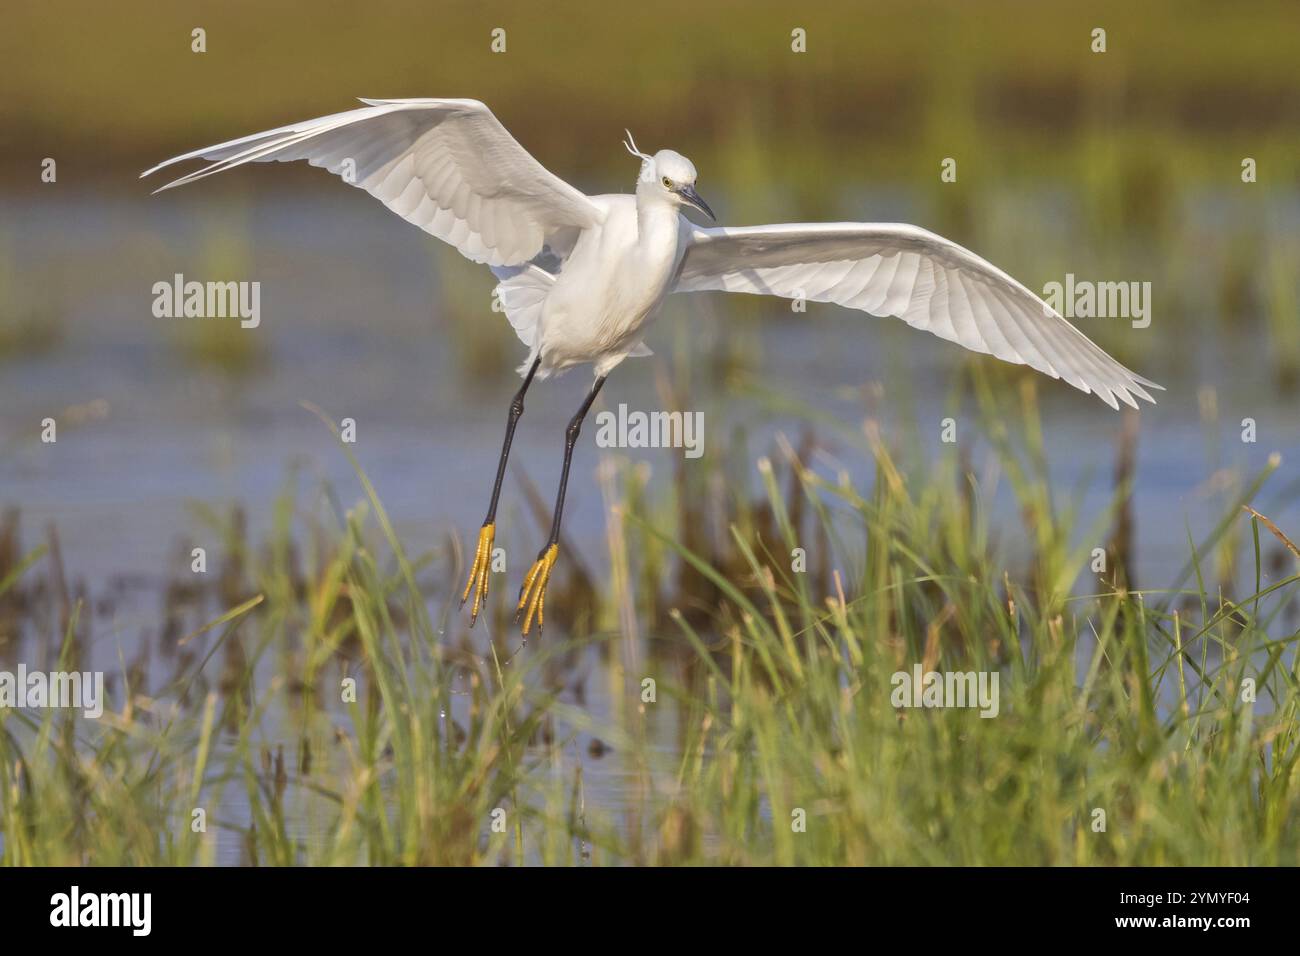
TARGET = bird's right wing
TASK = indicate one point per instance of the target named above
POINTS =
(904, 271)
(448, 166)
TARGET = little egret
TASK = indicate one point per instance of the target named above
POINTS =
(581, 277)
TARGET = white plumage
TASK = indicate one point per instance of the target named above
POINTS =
(582, 276)
(448, 166)
(904, 271)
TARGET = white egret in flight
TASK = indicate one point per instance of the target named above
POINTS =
(581, 277)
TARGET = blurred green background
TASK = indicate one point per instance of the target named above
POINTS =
(882, 88)
(1121, 165)
(1142, 142)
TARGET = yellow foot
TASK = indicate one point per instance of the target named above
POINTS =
(478, 572)
(532, 596)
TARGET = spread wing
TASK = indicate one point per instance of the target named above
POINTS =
(448, 166)
(904, 271)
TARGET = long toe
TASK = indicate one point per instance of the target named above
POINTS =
(532, 595)
(479, 571)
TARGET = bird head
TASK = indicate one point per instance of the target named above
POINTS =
(670, 176)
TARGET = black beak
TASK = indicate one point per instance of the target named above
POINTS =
(691, 196)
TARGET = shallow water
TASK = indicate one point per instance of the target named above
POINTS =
(350, 323)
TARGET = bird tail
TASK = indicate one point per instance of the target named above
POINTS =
(522, 295)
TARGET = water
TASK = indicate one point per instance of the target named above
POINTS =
(350, 299)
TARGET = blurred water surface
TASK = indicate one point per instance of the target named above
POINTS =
(356, 320)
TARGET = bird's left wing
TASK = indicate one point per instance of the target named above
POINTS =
(899, 270)
(448, 166)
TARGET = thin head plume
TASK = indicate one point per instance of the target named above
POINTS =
(647, 162)
(630, 144)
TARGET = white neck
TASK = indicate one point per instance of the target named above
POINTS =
(656, 217)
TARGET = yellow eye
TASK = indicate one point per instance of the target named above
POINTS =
(668, 183)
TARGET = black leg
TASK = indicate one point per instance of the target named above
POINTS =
(482, 566)
(516, 412)
(570, 440)
(532, 595)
